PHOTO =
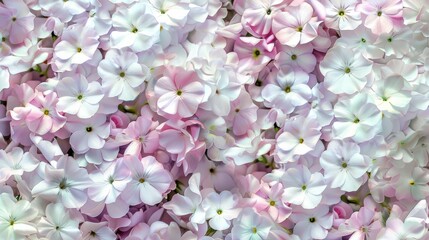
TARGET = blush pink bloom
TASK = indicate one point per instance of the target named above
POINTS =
(149, 181)
(17, 20)
(44, 117)
(243, 114)
(382, 15)
(296, 25)
(254, 54)
(179, 93)
(258, 15)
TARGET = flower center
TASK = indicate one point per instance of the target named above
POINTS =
(256, 53)
(258, 83)
(341, 13)
(299, 29)
(111, 179)
(122, 74)
(301, 140)
(272, 203)
(363, 40)
(13, 19)
(134, 30)
(219, 211)
(344, 165)
(389, 39)
(287, 89)
(379, 13)
(46, 112)
(356, 120)
(312, 219)
(179, 92)
(79, 97)
(254, 230)
(293, 57)
(347, 70)
(63, 184)
(78, 49)
(304, 187)
(268, 11)
(212, 170)
(89, 129)
(411, 182)
(93, 234)
(141, 180)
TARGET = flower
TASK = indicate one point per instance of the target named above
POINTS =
(78, 45)
(16, 218)
(17, 20)
(66, 182)
(134, 26)
(250, 225)
(357, 118)
(312, 224)
(57, 223)
(344, 166)
(341, 15)
(345, 71)
(382, 16)
(220, 208)
(179, 93)
(149, 181)
(88, 133)
(290, 90)
(295, 25)
(122, 76)
(303, 187)
(79, 97)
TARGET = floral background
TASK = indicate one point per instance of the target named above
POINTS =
(214, 119)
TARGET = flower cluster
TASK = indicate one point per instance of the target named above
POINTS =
(214, 119)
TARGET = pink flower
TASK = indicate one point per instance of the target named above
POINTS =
(296, 25)
(179, 93)
(78, 45)
(254, 54)
(17, 20)
(141, 136)
(243, 114)
(258, 15)
(44, 117)
(383, 15)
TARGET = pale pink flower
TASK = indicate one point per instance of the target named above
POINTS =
(58, 224)
(303, 187)
(65, 181)
(89, 133)
(258, 15)
(220, 208)
(179, 93)
(78, 45)
(44, 117)
(149, 181)
(122, 76)
(97, 231)
(243, 114)
(299, 57)
(269, 199)
(134, 26)
(288, 91)
(312, 224)
(382, 15)
(254, 54)
(17, 20)
(78, 97)
(341, 15)
(251, 225)
(344, 166)
(296, 25)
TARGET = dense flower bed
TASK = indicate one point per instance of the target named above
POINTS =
(214, 119)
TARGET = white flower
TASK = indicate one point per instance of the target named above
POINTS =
(16, 217)
(344, 166)
(313, 224)
(57, 224)
(250, 225)
(135, 27)
(220, 209)
(345, 70)
(78, 97)
(341, 15)
(393, 95)
(303, 187)
(89, 133)
(357, 118)
(122, 75)
(290, 90)
(66, 182)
